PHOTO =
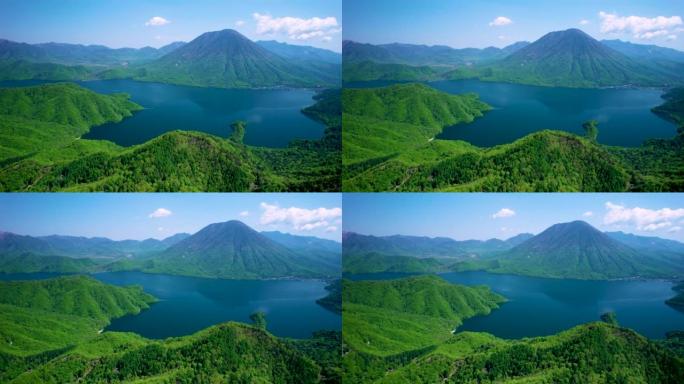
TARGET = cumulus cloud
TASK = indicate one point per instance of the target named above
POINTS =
(638, 26)
(239, 23)
(500, 21)
(244, 213)
(157, 21)
(588, 214)
(503, 212)
(643, 219)
(584, 22)
(296, 28)
(671, 37)
(675, 229)
(301, 219)
(160, 212)
(331, 228)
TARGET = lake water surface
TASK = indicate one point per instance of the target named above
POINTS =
(539, 307)
(624, 115)
(273, 116)
(188, 304)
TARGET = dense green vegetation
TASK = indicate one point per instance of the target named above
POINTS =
(393, 316)
(51, 116)
(49, 332)
(175, 161)
(377, 263)
(591, 353)
(38, 316)
(388, 147)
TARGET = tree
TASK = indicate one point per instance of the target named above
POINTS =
(610, 318)
(238, 131)
(259, 319)
(591, 129)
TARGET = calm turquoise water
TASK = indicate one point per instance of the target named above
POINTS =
(539, 307)
(624, 115)
(187, 304)
(274, 116)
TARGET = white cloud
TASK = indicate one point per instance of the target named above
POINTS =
(671, 37)
(642, 218)
(157, 21)
(296, 28)
(503, 212)
(588, 214)
(331, 228)
(500, 21)
(502, 37)
(160, 229)
(301, 219)
(675, 229)
(239, 23)
(244, 213)
(584, 22)
(160, 212)
(640, 27)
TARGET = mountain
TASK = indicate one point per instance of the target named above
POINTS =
(301, 53)
(573, 58)
(647, 243)
(424, 55)
(227, 59)
(644, 51)
(82, 247)
(578, 250)
(424, 247)
(78, 54)
(234, 250)
(304, 243)
(355, 263)
(518, 239)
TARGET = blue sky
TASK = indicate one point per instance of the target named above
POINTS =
(467, 23)
(482, 216)
(122, 23)
(143, 215)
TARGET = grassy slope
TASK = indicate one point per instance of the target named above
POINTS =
(677, 302)
(390, 155)
(393, 316)
(51, 116)
(184, 161)
(47, 314)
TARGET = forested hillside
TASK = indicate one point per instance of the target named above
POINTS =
(175, 161)
(406, 339)
(49, 333)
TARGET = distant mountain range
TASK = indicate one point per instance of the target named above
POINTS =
(566, 250)
(225, 59)
(563, 58)
(225, 250)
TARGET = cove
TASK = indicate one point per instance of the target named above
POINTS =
(624, 114)
(189, 304)
(542, 307)
(273, 116)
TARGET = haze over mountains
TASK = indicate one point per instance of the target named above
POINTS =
(227, 250)
(566, 250)
(223, 58)
(562, 58)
